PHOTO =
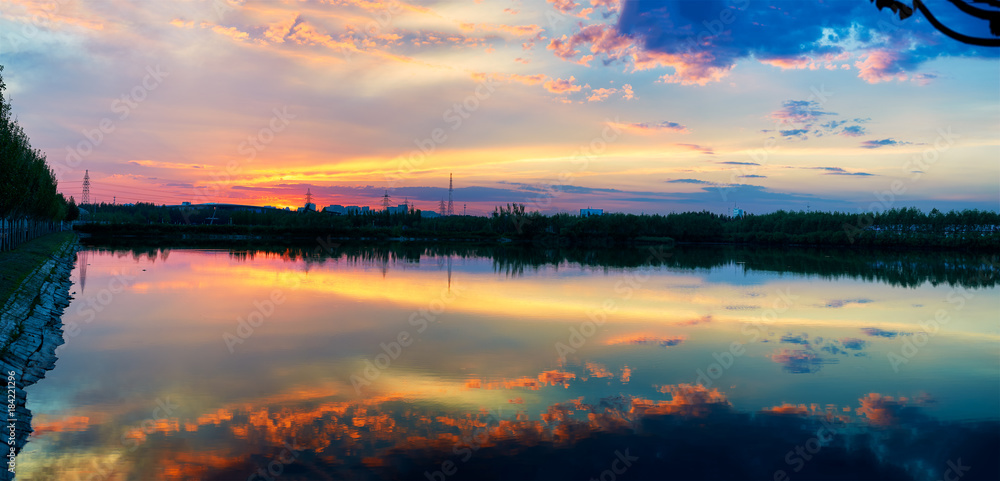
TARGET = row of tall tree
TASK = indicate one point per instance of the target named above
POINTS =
(29, 203)
(895, 227)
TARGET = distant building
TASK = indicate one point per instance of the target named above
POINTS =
(356, 210)
(738, 212)
(223, 207)
(589, 212)
(335, 209)
(309, 207)
(399, 209)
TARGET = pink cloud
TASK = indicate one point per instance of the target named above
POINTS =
(564, 6)
(603, 39)
(881, 66)
(698, 68)
(562, 86)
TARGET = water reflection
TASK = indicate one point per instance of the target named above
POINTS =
(535, 365)
(909, 268)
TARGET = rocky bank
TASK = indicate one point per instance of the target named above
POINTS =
(30, 331)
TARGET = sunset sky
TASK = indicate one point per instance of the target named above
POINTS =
(632, 106)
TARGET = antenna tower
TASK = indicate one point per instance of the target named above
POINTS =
(451, 189)
(309, 196)
(86, 188)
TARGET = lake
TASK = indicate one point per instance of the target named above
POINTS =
(410, 362)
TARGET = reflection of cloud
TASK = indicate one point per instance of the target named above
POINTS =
(843, 302)
(598, 370)
(546, 378)
(393, 436)
(645, 339)
(795, 409)
(876, 332)
(799, 339)
(800, 361)
(693, 400)
(886, 411)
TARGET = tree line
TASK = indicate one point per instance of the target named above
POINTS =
(904, 227)
(29, 202)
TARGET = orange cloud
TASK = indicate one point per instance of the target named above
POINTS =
(646, 339)
(882, 410)
(692, 400)
(546, 378)
(561, 86)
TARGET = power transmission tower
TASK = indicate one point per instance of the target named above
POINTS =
(385, 200)
(309, 197)
(451, 189)
(441, 207)
(86, 188)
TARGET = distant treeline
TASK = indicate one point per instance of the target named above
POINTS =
(28, 198)
(906, 227)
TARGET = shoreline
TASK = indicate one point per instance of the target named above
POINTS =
(30, 332)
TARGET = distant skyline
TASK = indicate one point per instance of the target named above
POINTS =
(634, 106)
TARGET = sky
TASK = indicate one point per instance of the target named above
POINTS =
(636, 106)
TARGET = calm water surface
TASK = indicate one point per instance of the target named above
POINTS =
(217, 364)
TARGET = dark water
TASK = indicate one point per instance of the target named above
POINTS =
(504, 363)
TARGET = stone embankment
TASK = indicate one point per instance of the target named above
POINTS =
(30, 331)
